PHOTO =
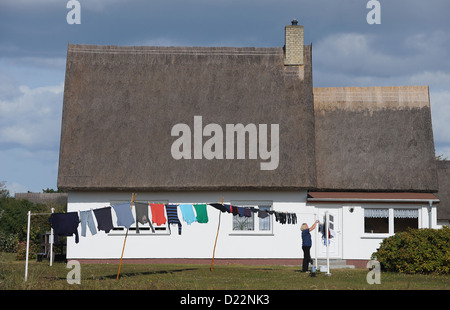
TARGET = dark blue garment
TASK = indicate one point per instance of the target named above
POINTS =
(65, 224)
(104, 219)
(306, 237)
(228, 208)
(219, 206)
(241, 211)
(172, 216)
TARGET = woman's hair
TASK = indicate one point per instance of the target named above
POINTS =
(303, 227)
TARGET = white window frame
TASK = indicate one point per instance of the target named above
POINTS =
(256, 231)
(390, 220)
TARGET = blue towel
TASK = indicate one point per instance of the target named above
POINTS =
(124, 214)
(188, 213)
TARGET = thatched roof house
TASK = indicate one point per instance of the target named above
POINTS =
(245, 126)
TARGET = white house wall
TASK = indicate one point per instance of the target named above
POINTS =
(196, 240)
(355, 243)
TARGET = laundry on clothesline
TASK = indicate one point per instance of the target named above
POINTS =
(172, 216)
(65, 224)
(124, 214)
(202, 214)
(188, 213)
(87, 219)
(322, 230)
(158, 217)
(104, 219)
(142, 215)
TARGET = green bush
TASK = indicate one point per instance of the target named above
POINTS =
(8, 242)
(416, 251)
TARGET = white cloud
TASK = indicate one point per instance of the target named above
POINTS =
(440, 111)
(92, 5)
(16, 188)
(377, 56)
(32, 118)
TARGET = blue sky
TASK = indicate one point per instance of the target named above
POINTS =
(411, 46)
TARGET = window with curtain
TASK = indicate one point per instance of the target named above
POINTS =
(376, 221)
(405, 218)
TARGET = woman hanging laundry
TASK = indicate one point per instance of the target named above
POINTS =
(306, 244)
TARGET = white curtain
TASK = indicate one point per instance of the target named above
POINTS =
(406, 213)
(398, 213)
(376, 213)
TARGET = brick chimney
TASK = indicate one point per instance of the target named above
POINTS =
(293, 44)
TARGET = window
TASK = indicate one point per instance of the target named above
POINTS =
(405, 218)
(253, 223)
(376, 221)
(389, 220)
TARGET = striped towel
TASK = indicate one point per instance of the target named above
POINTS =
(172, 216)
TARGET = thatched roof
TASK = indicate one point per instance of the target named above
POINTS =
(374, 139)
(120, 104)
(443, 171)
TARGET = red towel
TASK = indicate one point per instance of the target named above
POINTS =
(158, 216)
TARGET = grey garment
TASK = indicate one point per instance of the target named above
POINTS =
(87, 218)
(142, 215)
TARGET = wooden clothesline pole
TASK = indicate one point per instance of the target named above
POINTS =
(215, 243)
(133, 197)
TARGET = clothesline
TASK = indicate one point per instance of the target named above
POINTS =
(66, 224)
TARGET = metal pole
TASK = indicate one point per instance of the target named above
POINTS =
(316, 242)
(28, 246)
(327, 225)
(430, 213)
(51, 243)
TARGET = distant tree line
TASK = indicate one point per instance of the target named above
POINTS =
(13, 221)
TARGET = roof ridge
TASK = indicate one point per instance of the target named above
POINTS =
(114, 49)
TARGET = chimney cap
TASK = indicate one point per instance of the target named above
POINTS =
(294, 22)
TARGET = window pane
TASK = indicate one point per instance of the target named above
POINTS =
(402, 224)
(243, 223)
(376, 225)
(264, 223)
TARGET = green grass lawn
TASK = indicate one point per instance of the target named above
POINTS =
(199, 277)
